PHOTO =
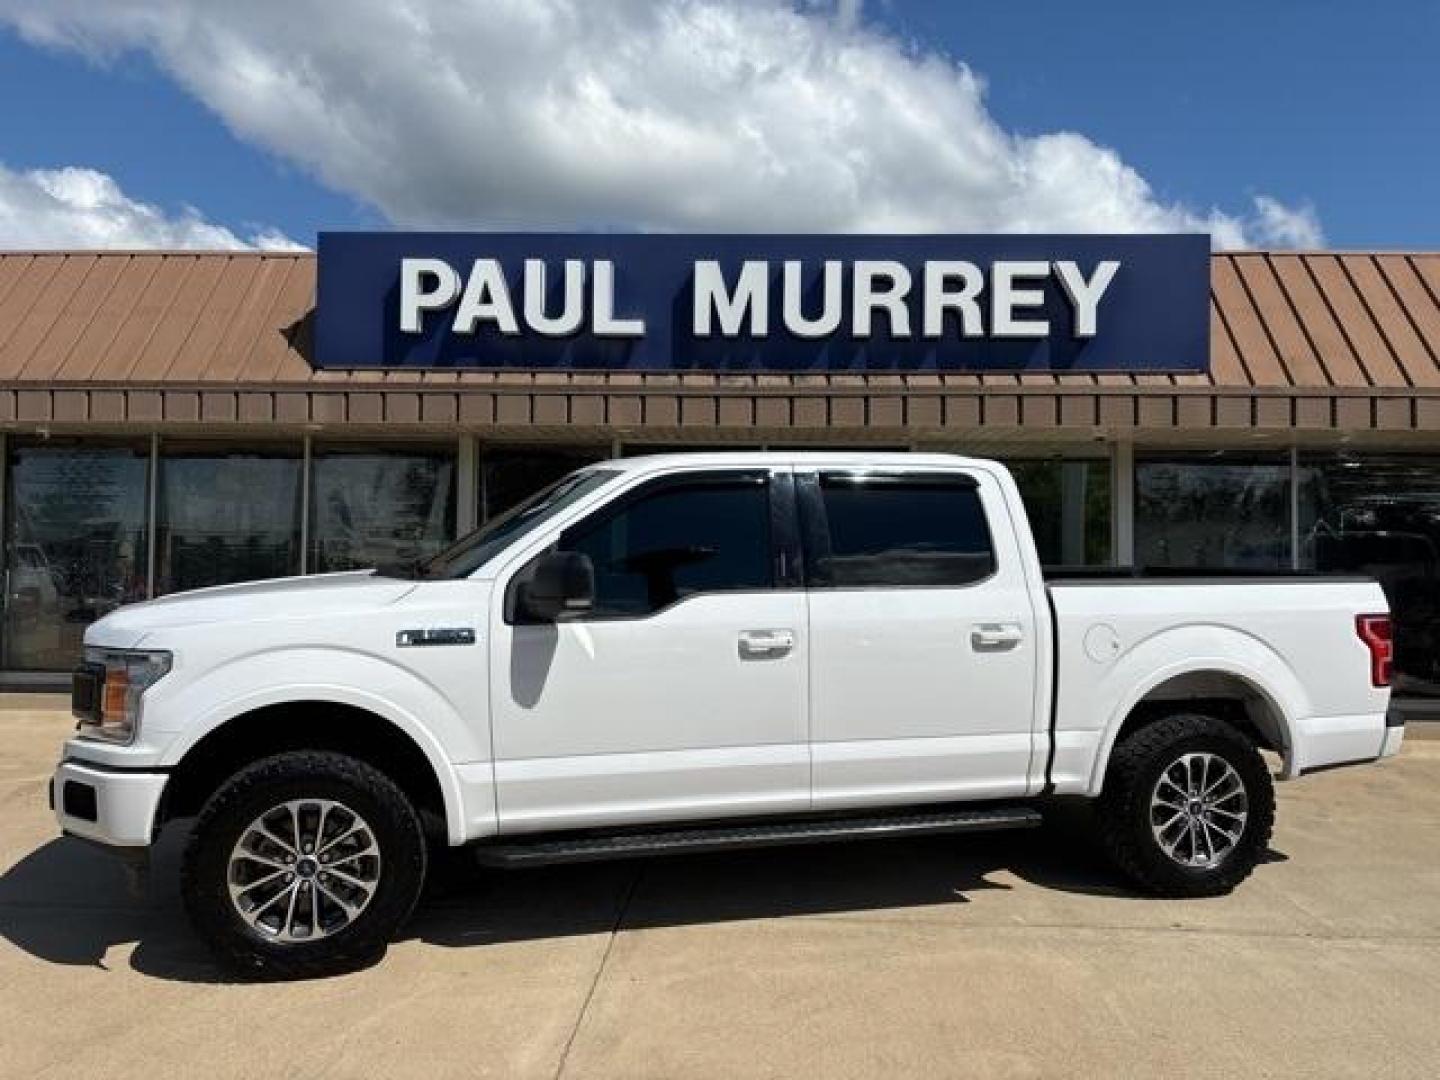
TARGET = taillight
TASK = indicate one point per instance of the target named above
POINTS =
(1378, 634)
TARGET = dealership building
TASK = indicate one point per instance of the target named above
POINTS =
(175, 420)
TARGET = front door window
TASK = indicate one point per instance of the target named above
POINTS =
(708, 534)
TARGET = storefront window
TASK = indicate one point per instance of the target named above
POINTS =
(1069, 507)
(226, 516)
(76, 547)
(512, 473)
(1380, 515)
(375, 506)
(1217, 510)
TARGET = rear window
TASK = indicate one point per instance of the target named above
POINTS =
(899, 532)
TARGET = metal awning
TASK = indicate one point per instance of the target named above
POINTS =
(1316, 342)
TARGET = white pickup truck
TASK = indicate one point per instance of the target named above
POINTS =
(689, 652)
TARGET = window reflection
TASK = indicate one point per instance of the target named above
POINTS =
(1069, 507)
(510, 474)
(1380, 515)
(76, 547)
(1217, 511)
(227, 516)
(379, 506)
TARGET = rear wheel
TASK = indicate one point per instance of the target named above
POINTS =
(303, 864)
(1188, 806)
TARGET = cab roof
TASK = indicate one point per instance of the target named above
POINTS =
(884, 459)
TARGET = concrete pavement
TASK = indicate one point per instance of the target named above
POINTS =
(1015, 955)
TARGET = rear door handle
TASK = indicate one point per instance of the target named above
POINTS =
(995, 637)
(766, 644)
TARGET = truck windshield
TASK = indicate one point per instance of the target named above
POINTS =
(476, 549)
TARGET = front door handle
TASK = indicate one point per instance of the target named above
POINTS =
(995, 637)
(766, 644)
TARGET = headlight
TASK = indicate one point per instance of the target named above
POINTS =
(108, 688)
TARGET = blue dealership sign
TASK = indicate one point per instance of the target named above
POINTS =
(667, 302)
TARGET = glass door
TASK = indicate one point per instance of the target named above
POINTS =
(226, 514)
(371, 506)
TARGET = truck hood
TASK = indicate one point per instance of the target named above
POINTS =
(296, 597)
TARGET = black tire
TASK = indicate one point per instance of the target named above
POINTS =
(399, 869)
(1124, 810)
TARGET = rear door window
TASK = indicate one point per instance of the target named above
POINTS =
(888, 531)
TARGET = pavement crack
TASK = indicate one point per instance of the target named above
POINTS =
(1334, 936)
(620, 911)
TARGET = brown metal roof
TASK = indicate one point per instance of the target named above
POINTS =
(1315, 340)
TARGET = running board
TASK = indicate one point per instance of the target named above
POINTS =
(631, 845)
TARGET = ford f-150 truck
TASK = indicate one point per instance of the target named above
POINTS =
(688, 652)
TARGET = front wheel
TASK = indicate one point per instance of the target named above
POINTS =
(303, 864)
(1188, 806)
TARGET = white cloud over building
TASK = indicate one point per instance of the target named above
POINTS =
(693, 115)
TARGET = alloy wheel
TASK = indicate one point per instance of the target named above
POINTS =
(303, 870)
(1198, 810)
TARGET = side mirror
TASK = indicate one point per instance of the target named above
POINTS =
(562, 583)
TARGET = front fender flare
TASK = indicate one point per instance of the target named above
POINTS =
(235, 690)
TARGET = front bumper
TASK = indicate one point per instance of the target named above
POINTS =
(109, 806)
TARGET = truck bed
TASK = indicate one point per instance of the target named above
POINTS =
(1122, 631)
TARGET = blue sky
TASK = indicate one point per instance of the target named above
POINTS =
(127, 119)
(1337, 103)
(1211, 104)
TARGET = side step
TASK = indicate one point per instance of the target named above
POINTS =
(630, 845)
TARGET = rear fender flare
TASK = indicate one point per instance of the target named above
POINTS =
(1232, 653)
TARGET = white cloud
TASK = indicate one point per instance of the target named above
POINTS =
(656, 114)
(83, 208)
(1278, 225)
